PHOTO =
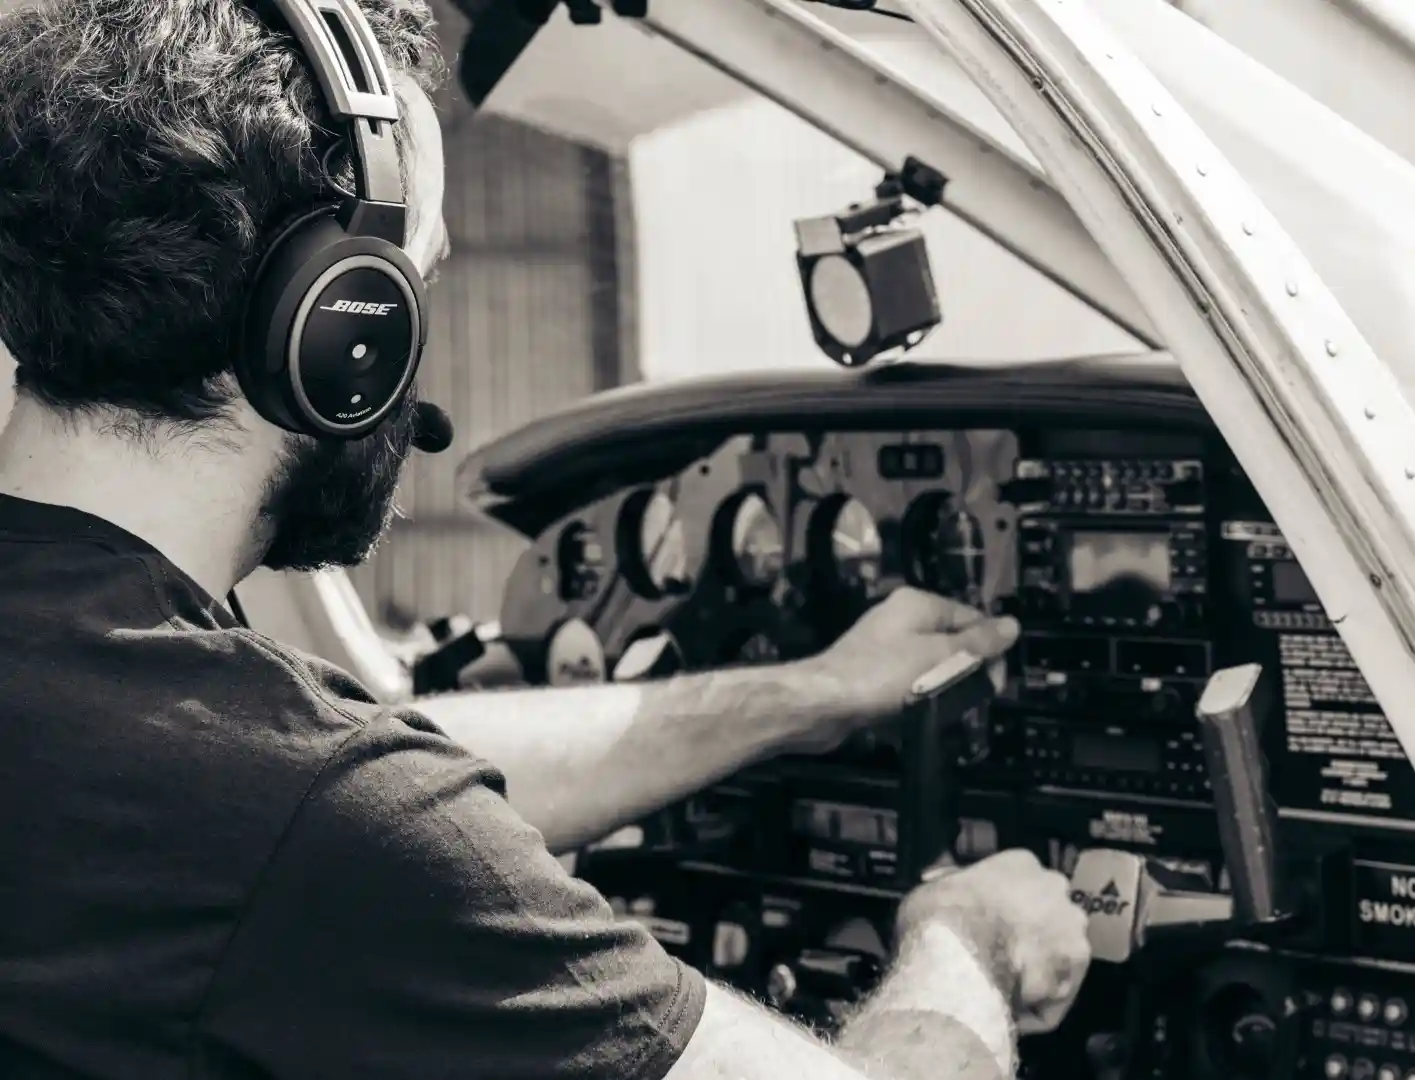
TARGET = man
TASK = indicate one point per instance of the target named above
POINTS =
(222, 859)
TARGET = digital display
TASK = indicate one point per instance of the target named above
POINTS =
(1120, 562)
(1115, 754)
(845, 823)
(1290, 584)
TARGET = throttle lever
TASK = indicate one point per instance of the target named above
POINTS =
(944, 705)
(1231, 711)
(1137, 905)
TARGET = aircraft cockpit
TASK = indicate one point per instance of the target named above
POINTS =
(1091, 313)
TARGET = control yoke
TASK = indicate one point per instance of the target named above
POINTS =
(1137, 906)
(945, 721)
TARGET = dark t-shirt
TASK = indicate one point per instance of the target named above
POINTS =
(221, 859)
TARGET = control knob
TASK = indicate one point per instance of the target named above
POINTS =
(781, 985)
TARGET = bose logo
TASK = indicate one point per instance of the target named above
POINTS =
(1107, 903)
(358, 307)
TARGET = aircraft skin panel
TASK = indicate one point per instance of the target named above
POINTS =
(1345, 198)
(1357, 57)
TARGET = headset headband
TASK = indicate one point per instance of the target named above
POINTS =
(358, 92)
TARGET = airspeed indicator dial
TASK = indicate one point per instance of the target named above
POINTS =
(652, 548)
(846, 544)
(754, 543)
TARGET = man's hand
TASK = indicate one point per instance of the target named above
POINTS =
(873, 665)
(1019, 920)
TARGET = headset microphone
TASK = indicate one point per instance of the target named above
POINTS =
(335, 322)
(433, 431)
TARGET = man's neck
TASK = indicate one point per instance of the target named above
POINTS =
(186, 502)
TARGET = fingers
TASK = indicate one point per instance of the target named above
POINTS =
(988, 638)
(928, 613)
(941, 867)
(997, 672)
(1049, 983)
(1046, 1006)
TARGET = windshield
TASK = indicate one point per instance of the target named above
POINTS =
(718, 175)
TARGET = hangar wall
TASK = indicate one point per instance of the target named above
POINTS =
(533, 310)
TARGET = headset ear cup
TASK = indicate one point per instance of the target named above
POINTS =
(261, 376)
(310, 258)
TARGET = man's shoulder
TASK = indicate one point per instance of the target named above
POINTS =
(302, 708)
(288, 678)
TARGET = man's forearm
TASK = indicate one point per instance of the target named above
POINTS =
(581, 761)
(940, 1015)
(939, 1012)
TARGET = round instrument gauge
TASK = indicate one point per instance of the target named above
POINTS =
(943, 548)
(755, 546)
(847, 538)
(759, 649)
(652, 551)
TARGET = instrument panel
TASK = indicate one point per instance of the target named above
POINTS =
(1138, 561)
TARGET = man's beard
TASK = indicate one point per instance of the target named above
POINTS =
(331, 500)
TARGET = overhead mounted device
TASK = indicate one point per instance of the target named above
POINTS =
(867, 280)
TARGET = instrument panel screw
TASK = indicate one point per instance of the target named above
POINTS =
(1247, 229)
(1201, 170)
(1292, 288)
(1155, 108)
(1409, 472)
(1331, 347)
(1370, 413)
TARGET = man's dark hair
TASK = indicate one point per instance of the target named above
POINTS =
(147, 150)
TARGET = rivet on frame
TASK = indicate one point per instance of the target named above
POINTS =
(1156, 109)
(1331, 347)
(1409, 473)
(1247, 229)
(1201, 170)
(1292, 288)
(1370, 413)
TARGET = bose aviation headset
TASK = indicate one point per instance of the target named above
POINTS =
(335, 321)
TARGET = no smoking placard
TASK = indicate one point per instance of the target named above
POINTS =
(1383, 909)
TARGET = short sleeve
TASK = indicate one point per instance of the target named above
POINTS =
(411, 925)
